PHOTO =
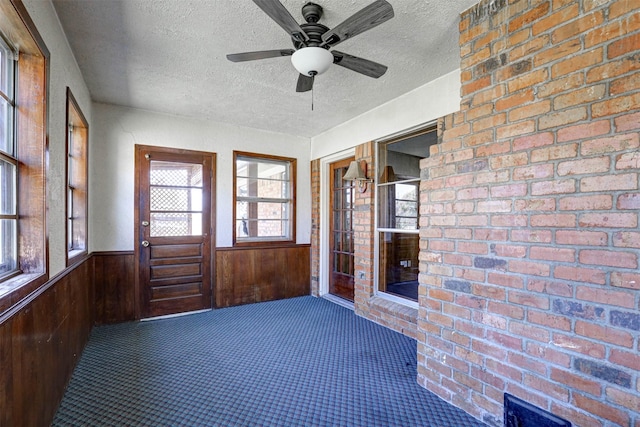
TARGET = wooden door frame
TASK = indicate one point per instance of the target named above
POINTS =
(138, 158)
(325, 214)
(332, 276)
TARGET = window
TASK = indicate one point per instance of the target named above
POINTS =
(176, 192)
(8, 163)
(77, 139)
(398, 204)
(23, 146)
(264, 198)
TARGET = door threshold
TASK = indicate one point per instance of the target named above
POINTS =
(340, 301)
(170, 316)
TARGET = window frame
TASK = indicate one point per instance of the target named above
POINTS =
(77, 194)
(388, 179)
(31, 136)
(8, 231)
(266, 241)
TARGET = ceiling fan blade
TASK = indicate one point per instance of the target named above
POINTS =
(305, 83)
(371, 16)
(359, 65)
(281, 15)
(261, 54)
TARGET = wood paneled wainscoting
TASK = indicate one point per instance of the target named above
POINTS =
(255, 274)
(42, 336)
(114, 279)
(41, 339)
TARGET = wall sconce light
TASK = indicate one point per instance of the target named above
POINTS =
(356, 173)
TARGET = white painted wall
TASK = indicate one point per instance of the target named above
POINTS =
(422, 105)
(116, 130)
(63, 73)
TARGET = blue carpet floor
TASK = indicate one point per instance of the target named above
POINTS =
(298, 362)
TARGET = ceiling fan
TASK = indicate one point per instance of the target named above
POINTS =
(312, 41)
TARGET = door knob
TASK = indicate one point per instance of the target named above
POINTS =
(145, 243)
(145, 223)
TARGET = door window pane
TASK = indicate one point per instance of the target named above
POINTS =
(175, 199)
(175, 224)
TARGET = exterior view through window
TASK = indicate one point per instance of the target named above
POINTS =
(8, 163)
(398, 203)
(264, 198)
(175, 192)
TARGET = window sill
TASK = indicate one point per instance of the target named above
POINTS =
(396, 305)
(397, 300)
(75, 256)
(264, 243)
(13, 290)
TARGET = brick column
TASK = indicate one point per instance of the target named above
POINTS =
(530, 205)
(363, 223)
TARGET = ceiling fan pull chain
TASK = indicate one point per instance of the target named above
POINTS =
(313, 79)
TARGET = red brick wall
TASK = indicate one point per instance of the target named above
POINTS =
(530, 228)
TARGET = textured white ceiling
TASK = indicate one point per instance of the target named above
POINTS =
(170, 56)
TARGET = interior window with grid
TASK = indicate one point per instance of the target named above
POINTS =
(264, 198)
(8, 163)
(24, 83)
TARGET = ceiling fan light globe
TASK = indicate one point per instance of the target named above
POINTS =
(311, 61)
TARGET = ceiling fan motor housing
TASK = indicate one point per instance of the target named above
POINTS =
(312, 12)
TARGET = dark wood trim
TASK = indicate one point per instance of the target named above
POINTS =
(294, 174)
(139, 149)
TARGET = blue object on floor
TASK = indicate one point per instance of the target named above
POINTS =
(298, 362)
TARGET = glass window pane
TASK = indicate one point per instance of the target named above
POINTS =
(263, 228)
(7, 188)
(6, 69)
(175, 224)
(262, 210)
(404, 208)
(262, 219)
(407, 223)
(6, 128)
(346, 241)
(175, 174)
(175, 199)
(262, 168)
(406, 191)
(8, 253)
(348, 198)
(337, 242)
(262, 188)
